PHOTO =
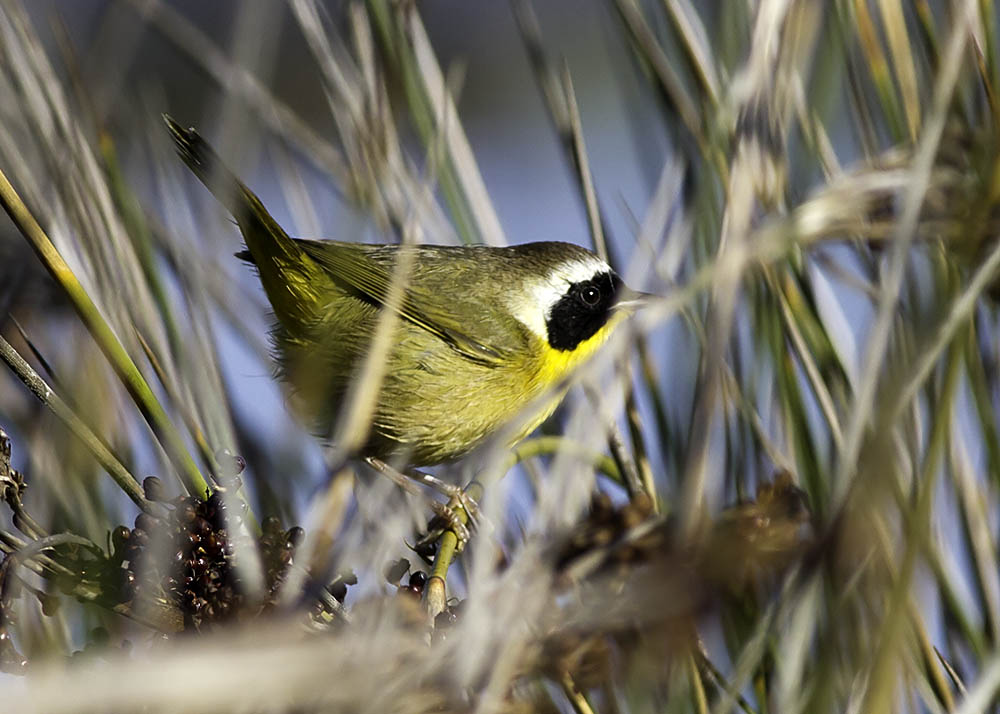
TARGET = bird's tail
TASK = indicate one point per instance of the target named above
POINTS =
(201, 158)
(285, 269)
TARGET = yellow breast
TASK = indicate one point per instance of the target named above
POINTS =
(555, 365)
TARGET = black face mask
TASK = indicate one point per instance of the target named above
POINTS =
(582, 311)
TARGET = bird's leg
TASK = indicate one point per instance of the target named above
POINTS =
(407, 481)
(456, 494)
(463, 497)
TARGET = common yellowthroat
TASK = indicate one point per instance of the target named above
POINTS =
(483, 331)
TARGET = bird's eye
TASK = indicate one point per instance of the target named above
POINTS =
(590, 296)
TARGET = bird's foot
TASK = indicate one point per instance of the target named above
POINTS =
(457, 497)
(446, 517)
(449, 518)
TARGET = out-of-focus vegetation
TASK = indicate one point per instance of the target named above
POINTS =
(809, 525)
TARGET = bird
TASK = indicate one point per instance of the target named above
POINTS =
(483, 332)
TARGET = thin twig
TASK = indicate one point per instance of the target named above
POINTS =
(548, 445)
(575, 697)
(635, 428)
(706, 665)
(125, 480)
(436, 593)
(955, 678)
(583, 167)
(113, 350)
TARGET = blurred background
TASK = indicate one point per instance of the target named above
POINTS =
(777, 491)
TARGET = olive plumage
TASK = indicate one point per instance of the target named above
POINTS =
(482, 332)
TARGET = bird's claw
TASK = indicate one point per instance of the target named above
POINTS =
(446, 517)
(450, 521)
(462, 500)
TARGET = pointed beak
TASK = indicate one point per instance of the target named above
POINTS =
(632, 300)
